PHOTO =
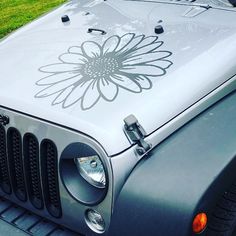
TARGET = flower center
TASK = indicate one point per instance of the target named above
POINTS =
(100, 67)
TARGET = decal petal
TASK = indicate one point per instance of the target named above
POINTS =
(146, 49)
(148, 58)
(73, 58)
(91, 96)
(59, 67)
(144, 70)
(55, 88)
(126, 83)
(57, 78)
(165, 64)
(108, 89)
(111, 44)
(148, 41)
(63, 95)
(93, 71)
(91, 49)
(76, 94)
(125, 40)
(144, 82)
(132, 44)
(76, 50)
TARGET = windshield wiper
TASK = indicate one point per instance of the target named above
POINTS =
(201, 3)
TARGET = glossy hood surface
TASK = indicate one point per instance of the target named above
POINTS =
(107, 62)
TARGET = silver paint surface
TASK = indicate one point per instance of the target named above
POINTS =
(91, 72)
(203, 47)
(72, 210)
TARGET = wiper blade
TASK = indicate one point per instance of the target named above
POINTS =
(201, 3)
(222, 3)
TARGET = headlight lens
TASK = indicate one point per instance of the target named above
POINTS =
(95, 221)
(92, 170)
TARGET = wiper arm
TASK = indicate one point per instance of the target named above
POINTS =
(225, 3)
(206, 6)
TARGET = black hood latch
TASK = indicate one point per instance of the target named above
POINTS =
(137, 134)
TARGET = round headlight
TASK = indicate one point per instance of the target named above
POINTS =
(84, 173)
(92, 170)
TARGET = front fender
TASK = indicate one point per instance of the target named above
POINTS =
(185, 174)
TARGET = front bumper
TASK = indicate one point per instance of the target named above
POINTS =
(16, 220)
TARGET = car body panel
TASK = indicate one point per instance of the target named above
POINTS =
(184, 175)
(192, 69)
(74, 82)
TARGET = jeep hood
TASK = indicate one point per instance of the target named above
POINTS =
(91, 81)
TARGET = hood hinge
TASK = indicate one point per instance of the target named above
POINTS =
(137, 134)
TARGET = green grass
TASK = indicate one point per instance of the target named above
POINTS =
(16, 13)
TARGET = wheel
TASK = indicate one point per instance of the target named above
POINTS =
(223, 219)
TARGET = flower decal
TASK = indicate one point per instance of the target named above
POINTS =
(92, 72)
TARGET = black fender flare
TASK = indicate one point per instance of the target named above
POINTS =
(184, 175)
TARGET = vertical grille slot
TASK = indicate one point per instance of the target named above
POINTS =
(49, 166)
(32, 172)
(14, 148)
(4, 173)
(30, 169)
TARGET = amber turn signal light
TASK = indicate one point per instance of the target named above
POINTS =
(199, 223)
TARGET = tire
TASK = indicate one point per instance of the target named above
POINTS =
(223, 219)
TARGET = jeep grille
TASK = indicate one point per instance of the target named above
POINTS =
(29, 169)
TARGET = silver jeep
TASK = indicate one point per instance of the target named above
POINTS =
(118, 117)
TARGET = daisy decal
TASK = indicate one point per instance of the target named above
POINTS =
(91, 72)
